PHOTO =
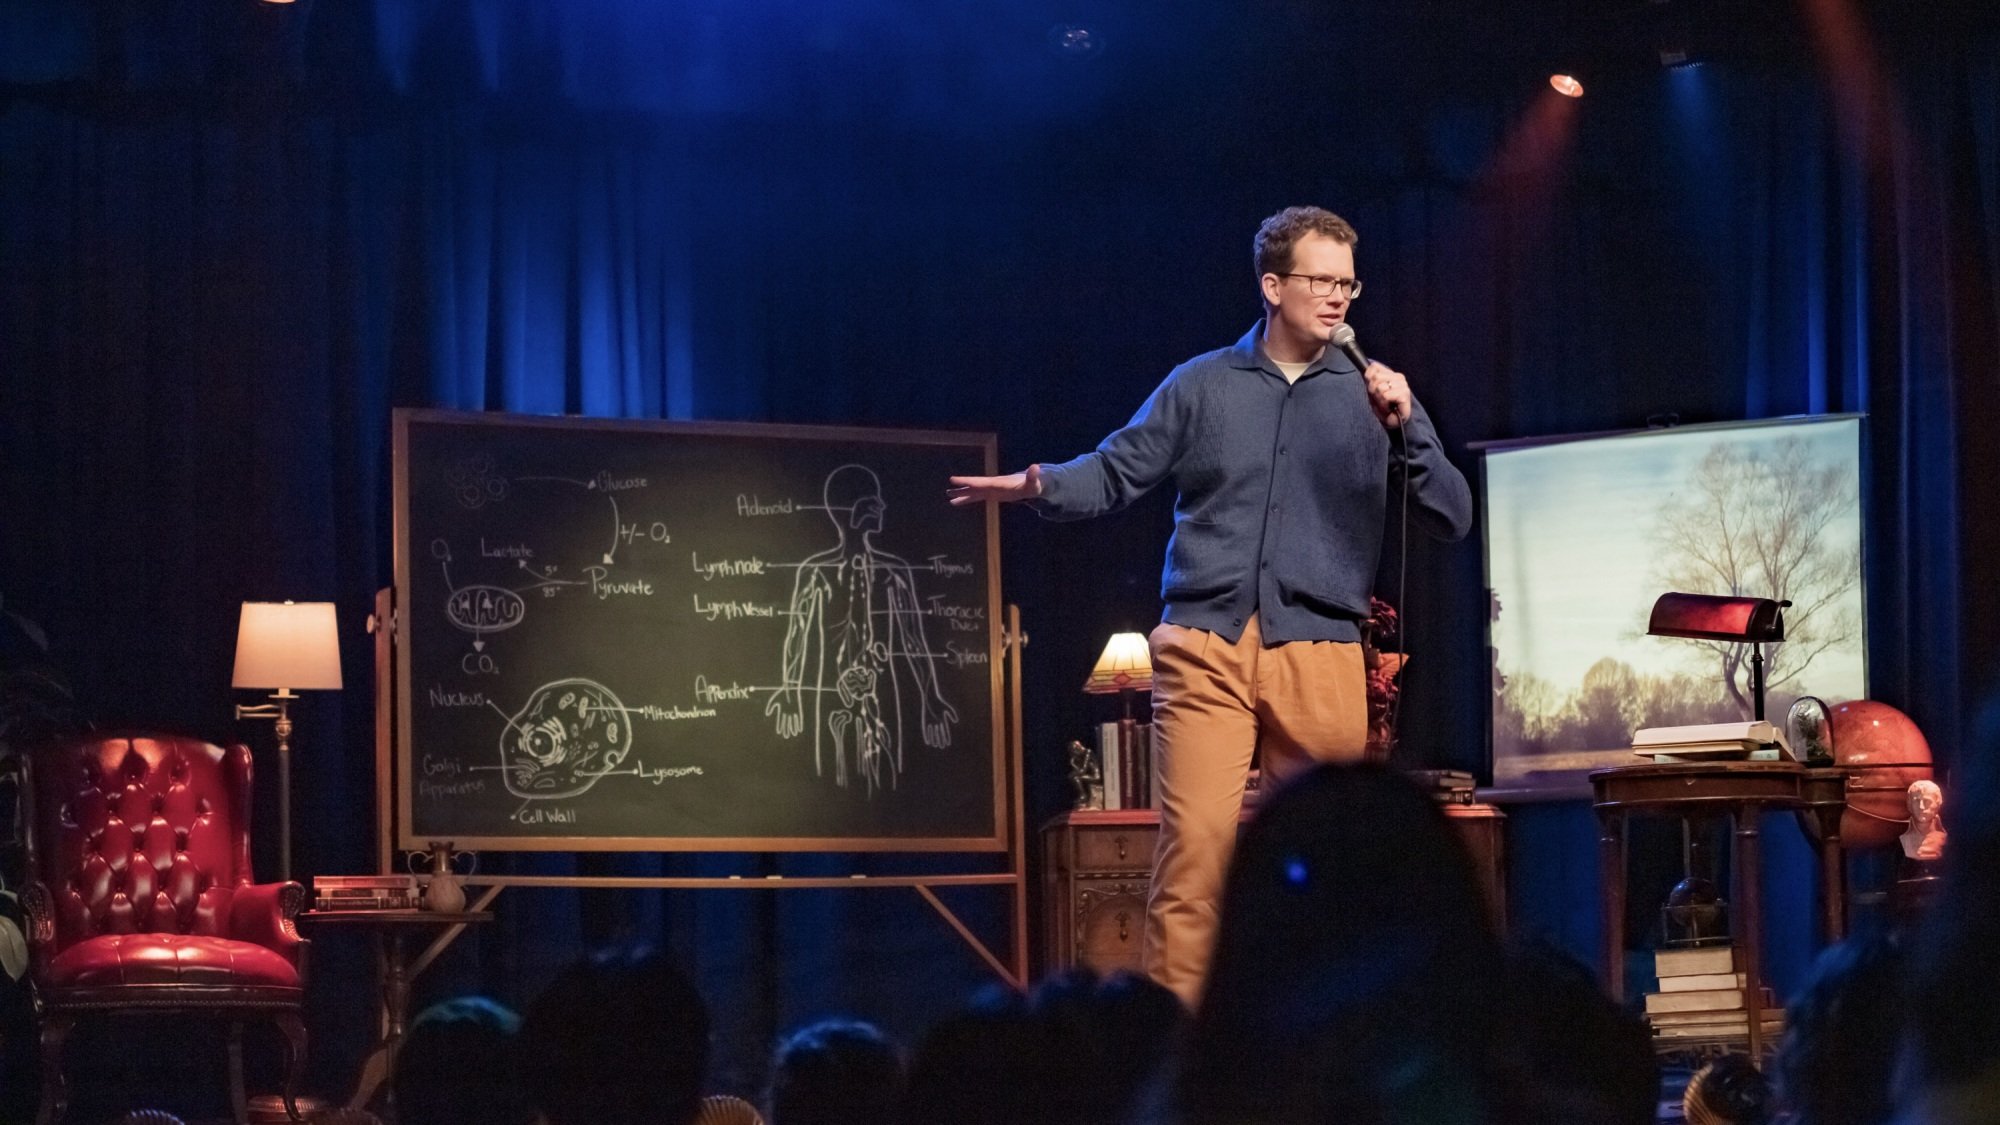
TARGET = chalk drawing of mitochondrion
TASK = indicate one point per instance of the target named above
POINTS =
(855, 648)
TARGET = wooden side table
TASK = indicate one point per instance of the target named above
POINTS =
(1740, 789)
(1483, 828)
(1095, 870)
(394, 972)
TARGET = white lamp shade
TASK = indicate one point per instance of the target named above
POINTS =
(1126, 665)
(287, 645)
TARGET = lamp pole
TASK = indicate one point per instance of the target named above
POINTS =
(279, 709)
(1757, 680)
(286, 646)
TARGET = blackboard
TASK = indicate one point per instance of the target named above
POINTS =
(626, 635)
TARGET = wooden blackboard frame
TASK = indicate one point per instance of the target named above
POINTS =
(397, 779)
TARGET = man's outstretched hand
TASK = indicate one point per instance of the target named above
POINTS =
(1014, 486)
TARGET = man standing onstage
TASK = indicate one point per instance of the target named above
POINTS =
(1281, 451)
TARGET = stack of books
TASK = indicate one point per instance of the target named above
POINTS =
(1701, 998)
(1451, 787)
(1128, 778)
(366, 892)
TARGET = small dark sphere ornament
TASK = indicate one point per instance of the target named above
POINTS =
(1695, 914)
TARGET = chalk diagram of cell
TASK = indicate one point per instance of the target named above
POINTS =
(855, 646)
(567, 735)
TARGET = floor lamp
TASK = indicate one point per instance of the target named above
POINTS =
(282, 646)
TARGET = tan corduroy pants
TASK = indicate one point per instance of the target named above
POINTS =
(1215, 703)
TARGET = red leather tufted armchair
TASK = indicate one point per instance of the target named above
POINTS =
(139, 897)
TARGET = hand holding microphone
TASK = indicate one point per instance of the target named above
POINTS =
(1388, 391)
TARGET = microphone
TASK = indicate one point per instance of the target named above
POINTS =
(1343, 338)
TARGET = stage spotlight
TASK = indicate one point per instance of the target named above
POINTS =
(1676, 51)
(1075, 41)
(1566, 85)
(1673, 35)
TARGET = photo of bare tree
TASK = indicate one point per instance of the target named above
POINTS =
(1582, 536)
(1755, 524)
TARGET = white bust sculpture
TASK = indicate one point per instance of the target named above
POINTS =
(1925, 837)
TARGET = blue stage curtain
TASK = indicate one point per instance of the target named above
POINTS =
(233, 236)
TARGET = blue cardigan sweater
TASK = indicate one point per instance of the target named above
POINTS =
(1283, 491)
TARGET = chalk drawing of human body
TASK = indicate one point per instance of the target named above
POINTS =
(856, 646)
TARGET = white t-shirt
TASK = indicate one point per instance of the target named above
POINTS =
(1292, 371)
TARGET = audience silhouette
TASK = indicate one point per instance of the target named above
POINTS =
(1077, 1050)
(1567, 1054)
(1356, 978)
(618, 1038)
(1838, 1055)
(836, 1072)
(456, 1065)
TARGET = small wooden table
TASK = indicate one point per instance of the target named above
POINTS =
(1742, 790)
(394, 972)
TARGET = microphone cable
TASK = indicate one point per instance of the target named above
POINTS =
(1401, 450)
(1343, 338)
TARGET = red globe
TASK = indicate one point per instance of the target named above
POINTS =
(1882, 752)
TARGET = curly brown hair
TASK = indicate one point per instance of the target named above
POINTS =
(1282, 231)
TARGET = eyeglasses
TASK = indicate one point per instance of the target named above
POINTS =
(1321, 285)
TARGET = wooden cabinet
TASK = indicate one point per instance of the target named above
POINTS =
(1095, 867)
(1483, 828)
